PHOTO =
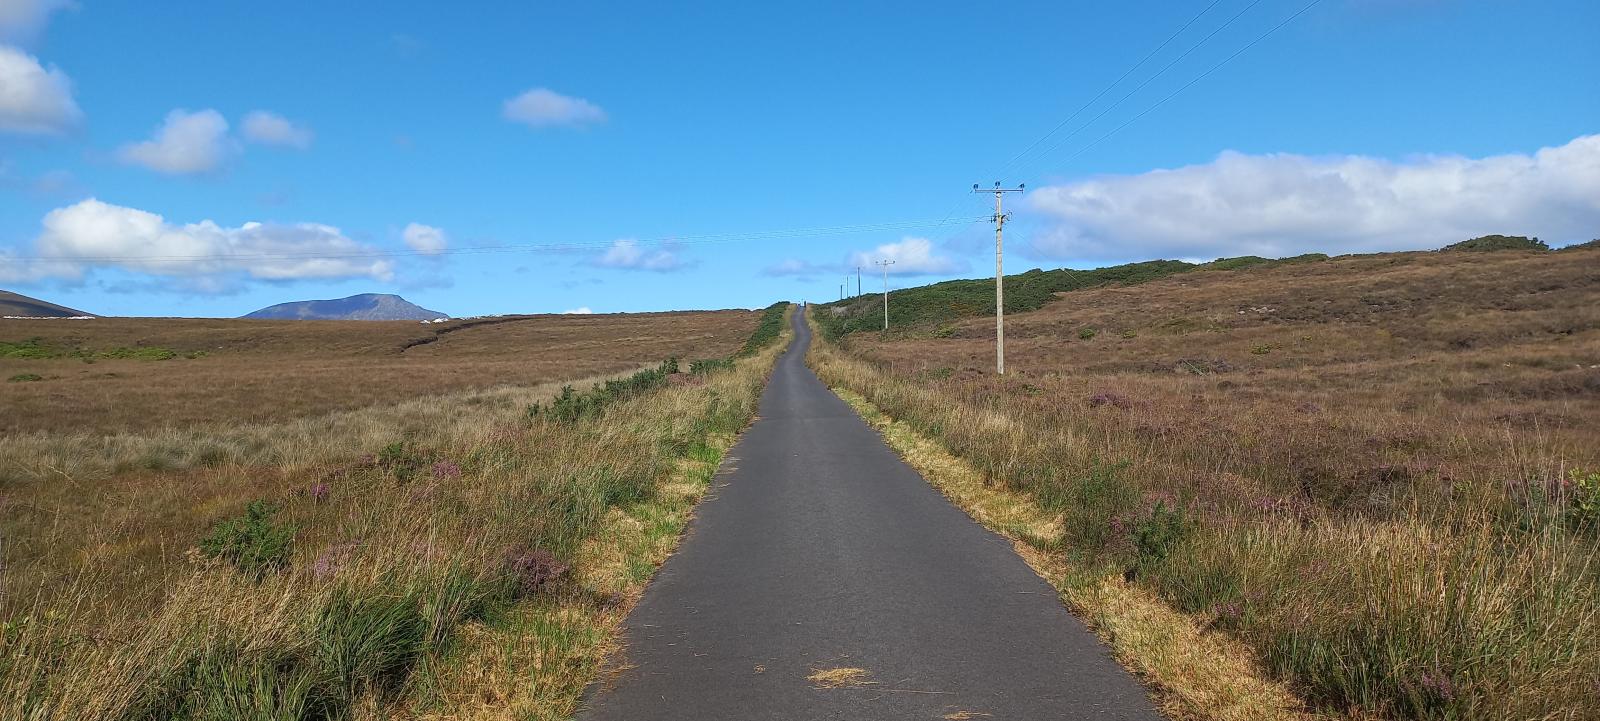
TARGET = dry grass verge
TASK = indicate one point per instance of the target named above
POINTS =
(1196, 673)
(1377, 474)
(476, 567)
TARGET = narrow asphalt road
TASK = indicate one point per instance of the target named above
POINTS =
(819, 549)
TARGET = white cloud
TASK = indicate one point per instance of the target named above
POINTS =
(1282, 204)
(626, 254)
(21, 20)
(260, 126)
(425, 239)
(797, 267)
(94, 234)
(543, 108)
(186, 143)
(34, 99)
(583, 310)
(911, 256)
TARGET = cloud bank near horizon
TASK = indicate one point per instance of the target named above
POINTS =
(93, 234)
(1284, 204)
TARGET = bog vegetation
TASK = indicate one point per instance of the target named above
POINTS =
(109, 375)
(1379, 472)
(448, 556)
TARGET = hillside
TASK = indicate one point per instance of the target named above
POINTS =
(16, 304)
(365, 306)
(1381, 472)
(927, 308)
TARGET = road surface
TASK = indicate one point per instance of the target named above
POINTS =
(818, 549)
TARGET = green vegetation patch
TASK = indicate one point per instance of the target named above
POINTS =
(573, 404)
(25, 378)
(30, 349)
(940, 304)
(253, 542)
(1498, 242)
(37, 349)
(767, 330)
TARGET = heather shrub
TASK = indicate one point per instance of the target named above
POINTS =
(251, 542)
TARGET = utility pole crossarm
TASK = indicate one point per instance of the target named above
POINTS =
(999, 218)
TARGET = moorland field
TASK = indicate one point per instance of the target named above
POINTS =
(400, 529)
(114, 374)
(1381, 473)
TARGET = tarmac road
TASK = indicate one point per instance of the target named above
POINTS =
(819, 549)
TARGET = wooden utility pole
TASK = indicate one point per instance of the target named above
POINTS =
(885, 263)
(999, 219)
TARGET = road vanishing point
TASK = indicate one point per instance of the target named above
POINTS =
(818, 551)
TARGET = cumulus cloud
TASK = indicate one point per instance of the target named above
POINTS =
(544, 108)
(266, 128)
(93, 234)
(21, 20)
(627, 254)
(1282, 204)
(425, 239)
(911, 256)
(801, 268)
(186, 143)
(34, 99)
(582, 310)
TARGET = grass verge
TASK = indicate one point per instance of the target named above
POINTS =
(1195, 673)
(478, 570)
(1474, 601)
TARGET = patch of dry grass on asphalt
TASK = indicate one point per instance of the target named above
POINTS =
(841, 677)
(1197, 674)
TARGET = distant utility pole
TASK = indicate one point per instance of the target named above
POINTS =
(885, 263)
(858, 280)
(999, 219)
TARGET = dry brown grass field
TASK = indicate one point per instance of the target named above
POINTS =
(1380, 472)
(419, 545)
(254, 371)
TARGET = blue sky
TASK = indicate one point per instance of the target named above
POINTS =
(636, 156)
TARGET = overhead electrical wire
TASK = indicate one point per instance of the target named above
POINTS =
(1191, 83)
(1107, 89)
(1046, 153)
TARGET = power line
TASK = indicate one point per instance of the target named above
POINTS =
(1197, 79)
(1107, 89)
(1024, 152)
(1147, 81)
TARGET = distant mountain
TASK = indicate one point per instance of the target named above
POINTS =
(367, 306)
(21, 305)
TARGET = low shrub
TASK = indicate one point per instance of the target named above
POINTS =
(1157, 534)
(1087, 333)
(573, 404)
(1498, 242)
(708, 365)
(251, 542)
(25, 378)
(767, 329)
(533, 569)
(1583, 509)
